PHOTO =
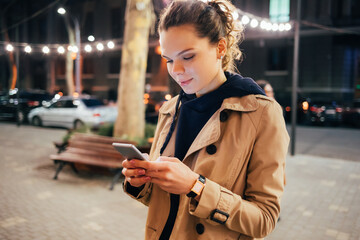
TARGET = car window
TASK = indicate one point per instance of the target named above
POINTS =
(4, 98)
(58, 104)
(92, 102)
(69, 104)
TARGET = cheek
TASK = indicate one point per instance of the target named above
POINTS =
(206, 68)
(169, 71)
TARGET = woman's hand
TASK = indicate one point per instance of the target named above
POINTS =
(134, 175)
(170, 174)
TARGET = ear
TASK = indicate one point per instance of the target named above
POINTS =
(221, 48)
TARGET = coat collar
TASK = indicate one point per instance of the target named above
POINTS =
(241, 104)
(210, 133)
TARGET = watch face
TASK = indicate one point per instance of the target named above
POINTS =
(198, 187)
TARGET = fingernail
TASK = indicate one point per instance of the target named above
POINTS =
(141, 172)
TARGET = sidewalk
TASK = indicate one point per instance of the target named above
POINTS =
(321, 200)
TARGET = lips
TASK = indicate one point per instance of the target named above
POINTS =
(186, 82)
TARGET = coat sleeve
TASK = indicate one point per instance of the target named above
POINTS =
(256, 214)
(143, 194)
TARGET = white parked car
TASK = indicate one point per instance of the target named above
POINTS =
(73, 112)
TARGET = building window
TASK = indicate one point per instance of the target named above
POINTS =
(277, 59)
(279, 10)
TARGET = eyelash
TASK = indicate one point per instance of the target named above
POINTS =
(188, 58)
(185, 58)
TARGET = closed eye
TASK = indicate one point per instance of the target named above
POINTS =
(188, 58)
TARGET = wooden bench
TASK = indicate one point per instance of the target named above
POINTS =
(90, 149)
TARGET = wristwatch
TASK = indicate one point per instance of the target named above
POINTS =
(197, 187)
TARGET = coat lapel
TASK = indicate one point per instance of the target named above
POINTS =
(210, 133)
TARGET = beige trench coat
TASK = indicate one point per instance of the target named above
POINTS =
(241, 151)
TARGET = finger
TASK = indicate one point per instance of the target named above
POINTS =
(153, 166)
(138, 181)
(132, 172)
(126, 164)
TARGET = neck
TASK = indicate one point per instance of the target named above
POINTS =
(218, 80)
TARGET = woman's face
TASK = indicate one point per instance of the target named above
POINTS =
(192, 62)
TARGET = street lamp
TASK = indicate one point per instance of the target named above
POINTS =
(62, 11)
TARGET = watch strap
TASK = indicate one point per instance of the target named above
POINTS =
(197, 187)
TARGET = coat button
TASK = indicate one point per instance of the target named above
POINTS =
(223, 116)
(200, 228)
(211, 149)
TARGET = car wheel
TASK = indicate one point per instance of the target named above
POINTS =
(36, 121)
(78, 124)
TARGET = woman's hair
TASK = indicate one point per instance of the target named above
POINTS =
(212, 19)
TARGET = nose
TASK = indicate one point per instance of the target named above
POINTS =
(178, 67)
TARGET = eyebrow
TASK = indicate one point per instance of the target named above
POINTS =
(184, 51)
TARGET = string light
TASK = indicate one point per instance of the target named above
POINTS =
(287, 26)
(100, 46)
(235, 15)
(255, 22)
(75, 49)
(110, 44)
(61, 50)
(91, 38)
(265, 24)
(9, 48)
(28, 49)
(61, 11)
(245, 20)
(275, 27)
(46, 50)
(87, 48)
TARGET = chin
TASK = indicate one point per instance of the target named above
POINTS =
(188, 91)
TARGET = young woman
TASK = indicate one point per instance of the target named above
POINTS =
(216, 168)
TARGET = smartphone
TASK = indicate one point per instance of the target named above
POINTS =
(129, 151)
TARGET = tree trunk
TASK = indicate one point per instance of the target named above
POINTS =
(12, 65)
(69, 64)
(130, 122)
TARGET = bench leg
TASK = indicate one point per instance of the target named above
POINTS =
(115, 179)
(74, 168)
(59, 168)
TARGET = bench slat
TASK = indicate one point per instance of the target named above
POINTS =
(105, 154)
(86, 159)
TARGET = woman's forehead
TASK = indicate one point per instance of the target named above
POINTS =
(179, 38)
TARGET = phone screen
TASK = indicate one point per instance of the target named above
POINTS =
(129, 151)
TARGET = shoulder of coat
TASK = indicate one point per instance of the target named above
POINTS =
(259, 96)
(169, 106)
